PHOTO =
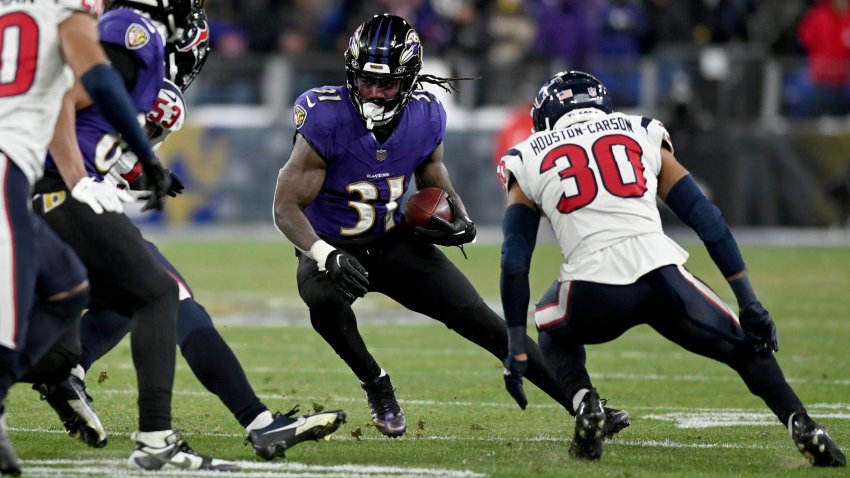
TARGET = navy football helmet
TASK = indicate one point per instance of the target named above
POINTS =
(173, 15)
(382, 49)
(186, 56)
(565, 92)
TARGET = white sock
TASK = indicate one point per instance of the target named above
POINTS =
(578, 397)
(262, 420)
(79, 372)
(153, 439)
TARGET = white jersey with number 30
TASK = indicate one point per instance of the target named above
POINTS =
(596, 182)
(33, 77)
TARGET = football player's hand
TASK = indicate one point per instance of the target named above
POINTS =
(348, 274)
(176, 184)
(444, 233)
(158, 182)
(514, 371)
(100, 196)
(759, 327)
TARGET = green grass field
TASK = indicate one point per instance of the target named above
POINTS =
(690, 417)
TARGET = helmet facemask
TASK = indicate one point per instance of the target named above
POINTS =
(383, 50)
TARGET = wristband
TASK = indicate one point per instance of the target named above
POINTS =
(319, 252)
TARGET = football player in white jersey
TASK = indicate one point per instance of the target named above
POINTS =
(46, 45)
(594, 174)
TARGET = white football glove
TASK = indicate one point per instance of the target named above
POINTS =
(100, 196)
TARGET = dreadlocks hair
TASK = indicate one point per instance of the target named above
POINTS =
(443, 81)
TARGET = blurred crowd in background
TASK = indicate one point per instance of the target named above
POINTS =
(514, 44)
(756, 93)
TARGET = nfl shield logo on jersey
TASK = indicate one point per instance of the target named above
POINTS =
(381, 154)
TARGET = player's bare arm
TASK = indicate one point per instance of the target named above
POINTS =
(80, 45)
(516, 196)
(63, 147)
(298, 183)
(671, 172)
(433, 173)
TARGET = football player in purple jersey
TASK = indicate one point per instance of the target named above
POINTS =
(620, 269)
(210, 358)
(338, 200)
(125, 276)
(47, 46)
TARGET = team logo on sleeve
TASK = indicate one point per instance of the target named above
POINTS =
(136, 37)
(298, 116)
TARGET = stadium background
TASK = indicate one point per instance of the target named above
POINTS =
(728, 78)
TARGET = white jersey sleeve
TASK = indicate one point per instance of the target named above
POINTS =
(596, 182)
(34, 77)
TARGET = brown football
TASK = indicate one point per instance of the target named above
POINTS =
(425, 203)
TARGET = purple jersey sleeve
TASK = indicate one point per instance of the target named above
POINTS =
(136, 33)
(365, 180)
(98, 140)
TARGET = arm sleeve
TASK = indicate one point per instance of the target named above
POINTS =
(694, 209)
(122, 61)
(112, 101)
(520, 230)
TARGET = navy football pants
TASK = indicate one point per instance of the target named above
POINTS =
(676, 305)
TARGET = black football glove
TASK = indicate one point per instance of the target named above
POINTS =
(759, 327)
(514, 371)
(444, 233)
(176, 184)
(351, 278)
(158, 182)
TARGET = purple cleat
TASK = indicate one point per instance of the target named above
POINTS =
(387, 415)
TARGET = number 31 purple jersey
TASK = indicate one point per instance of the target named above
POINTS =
(365, 179)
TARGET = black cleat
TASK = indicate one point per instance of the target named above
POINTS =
(814, 442)
(73, 405)
(387, 415)
(615, 420)
(285, 432)
(9, 463)
(590, 423)
(172, 452)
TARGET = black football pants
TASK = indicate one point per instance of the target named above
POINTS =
(421, 278)
(126, 278)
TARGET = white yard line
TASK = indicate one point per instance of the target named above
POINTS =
(119, 468)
